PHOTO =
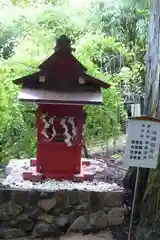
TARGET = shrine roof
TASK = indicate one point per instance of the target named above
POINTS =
(96, 81)
(63, 51)
(30, 77)
(50, 96)
(61, 78)
(52, 60)
(32, 81)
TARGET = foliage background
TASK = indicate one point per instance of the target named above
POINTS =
(110, 40)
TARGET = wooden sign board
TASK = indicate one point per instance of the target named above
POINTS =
(142, 144)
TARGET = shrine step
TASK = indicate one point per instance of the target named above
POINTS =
(85, 161)
(83, 177)
(38, 177)
(58, 176)
(34, 177)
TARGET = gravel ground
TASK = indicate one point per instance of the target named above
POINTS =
(108, 173)
(108, 176)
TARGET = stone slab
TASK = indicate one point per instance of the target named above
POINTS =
(91, 180)
(106, 235)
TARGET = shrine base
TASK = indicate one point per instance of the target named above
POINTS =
(38, 177)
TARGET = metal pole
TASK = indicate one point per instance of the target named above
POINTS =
(133, 204)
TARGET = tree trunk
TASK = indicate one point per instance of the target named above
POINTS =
(149, 227)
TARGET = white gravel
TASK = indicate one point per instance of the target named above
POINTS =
(14, 179)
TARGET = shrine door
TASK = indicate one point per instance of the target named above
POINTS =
(59, 139)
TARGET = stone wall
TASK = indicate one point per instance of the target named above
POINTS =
(43, 214)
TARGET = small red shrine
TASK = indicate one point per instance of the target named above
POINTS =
(61, 88)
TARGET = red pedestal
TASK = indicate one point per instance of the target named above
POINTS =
(27, 176)
(55, 159)
(38, 177)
